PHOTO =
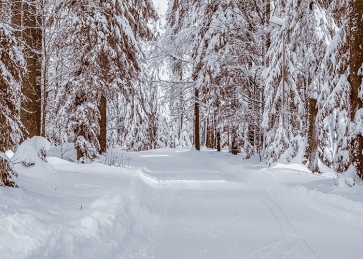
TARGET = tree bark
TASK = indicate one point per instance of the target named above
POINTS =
(234, 147)
(103, 124)
(79, 131)
(44, 69)
(196, 120)
(30, 114)
(312, 138)
(355, 79)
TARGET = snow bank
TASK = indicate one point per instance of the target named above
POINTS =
(30, 159)
(347, 179)
(96, 231)
(72, 216)
(335, 205)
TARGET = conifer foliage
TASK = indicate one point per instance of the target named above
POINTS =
(11, 71)
(218, 74)
(7, 173)
(103, 37)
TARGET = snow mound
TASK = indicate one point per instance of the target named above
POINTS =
(348, 179)
(30, 158)
(98, 230)
(325, 170)
(21, 235)
(290, 166)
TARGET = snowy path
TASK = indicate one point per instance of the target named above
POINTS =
(207, 211)
(174, 204)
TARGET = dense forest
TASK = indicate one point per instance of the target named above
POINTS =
(279, 79)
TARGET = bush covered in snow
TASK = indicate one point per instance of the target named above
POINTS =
(7, 173)
(115, 157)
(31, 150)
(30, 158)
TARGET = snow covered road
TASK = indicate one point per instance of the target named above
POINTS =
(210, 208)
(177, 204)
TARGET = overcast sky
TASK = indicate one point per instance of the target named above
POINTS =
(162, 5)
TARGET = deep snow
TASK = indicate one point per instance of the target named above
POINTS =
(175, 203)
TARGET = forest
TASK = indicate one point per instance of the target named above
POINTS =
(278, 79)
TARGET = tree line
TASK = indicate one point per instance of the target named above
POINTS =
(218, 73)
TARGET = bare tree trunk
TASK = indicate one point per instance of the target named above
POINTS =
(234, 150)
(312, 138)
(208, 129)
(218, 140)
(30, 114)
(44, 71)
(217, 130)
(196, 120)
(79, 131)
(103, 124)
(234, 147)
(355, 79)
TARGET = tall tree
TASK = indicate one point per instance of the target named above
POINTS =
(175, 46)
(294, 58)
(105, 36)
(333, 94)
(320, 29)
(12, 65)
(27, 21)
(355, 79)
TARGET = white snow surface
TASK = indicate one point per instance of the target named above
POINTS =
(180, 203)
(29, 152)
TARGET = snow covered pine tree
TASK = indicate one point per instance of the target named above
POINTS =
(104, 39)
(11, 71)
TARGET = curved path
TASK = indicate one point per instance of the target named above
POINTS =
(212, 205)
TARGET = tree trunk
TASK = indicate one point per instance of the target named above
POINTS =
(45, 66)
(312, 138)
(268, 38)
(208, 128)
(196, 120)
(30, 114)
(355, 79)
(79, 131)
(216, 124)
(218, 140)
(233, 147)
(103, 125)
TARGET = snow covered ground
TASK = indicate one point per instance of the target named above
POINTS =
(176, 203)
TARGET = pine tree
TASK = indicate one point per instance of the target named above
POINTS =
(319, 31)
(333, 96)
(7, 173)
(355, 80)
(290, 94)
(175, 46)
(26, 18)
(218, 44)
(104, 36)
(12, 70)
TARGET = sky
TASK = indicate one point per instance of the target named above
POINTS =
(162, 5)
